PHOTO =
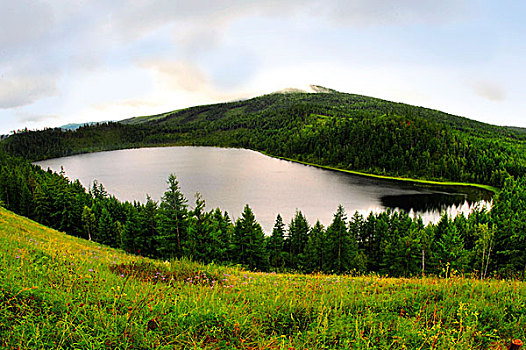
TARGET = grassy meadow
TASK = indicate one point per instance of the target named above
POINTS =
(61, 292)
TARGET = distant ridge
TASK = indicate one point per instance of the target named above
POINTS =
(75, 126)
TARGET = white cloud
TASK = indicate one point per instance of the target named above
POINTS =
(387, 12)
(185, 77)
(29, 117)
(23, 90)
(23, 21)
(178, 75)
(114, 59)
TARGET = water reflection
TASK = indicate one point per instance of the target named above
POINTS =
(422, 202)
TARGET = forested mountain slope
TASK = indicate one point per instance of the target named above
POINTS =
(326, 102)
(342, 130)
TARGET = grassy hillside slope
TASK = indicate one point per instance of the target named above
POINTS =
(57, 291)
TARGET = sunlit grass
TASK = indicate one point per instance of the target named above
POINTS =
(57, 291)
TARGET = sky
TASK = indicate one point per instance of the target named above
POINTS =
(75, 61)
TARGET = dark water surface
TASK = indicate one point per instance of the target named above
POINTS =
(230, 178)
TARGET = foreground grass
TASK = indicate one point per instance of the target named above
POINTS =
(58, 291)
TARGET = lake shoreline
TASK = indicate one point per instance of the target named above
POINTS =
(230, 178)
(487, 188)
(450, 184)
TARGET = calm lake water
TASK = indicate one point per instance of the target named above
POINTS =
(230, 178)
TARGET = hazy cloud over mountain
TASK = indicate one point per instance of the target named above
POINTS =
(489, 90)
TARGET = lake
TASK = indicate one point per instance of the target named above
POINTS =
(229, 178)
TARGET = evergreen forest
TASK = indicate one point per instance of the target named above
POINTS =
(485, 243)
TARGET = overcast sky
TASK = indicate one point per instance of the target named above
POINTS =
(64, 61)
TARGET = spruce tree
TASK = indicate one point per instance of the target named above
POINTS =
(145, 241)
(222, 236)
(199, 243)
(172, 218)
(275, 244)
(315, 249)
(509, 225)
(297, 240)
(340, 247)
(249, 242)
(106, 233)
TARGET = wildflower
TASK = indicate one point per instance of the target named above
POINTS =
(90, 270)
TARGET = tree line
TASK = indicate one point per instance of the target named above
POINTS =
(483, 243)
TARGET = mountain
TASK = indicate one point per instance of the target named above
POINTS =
(322, 127)
(334, 103)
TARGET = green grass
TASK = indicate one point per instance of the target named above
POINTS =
(61, 292)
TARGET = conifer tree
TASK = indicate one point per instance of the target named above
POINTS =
(222, 236)
(275, 244)
(340, 247)
(131, 228)
(249, 242)
(509, 225)
(315, 250)
(173, 215)
(199, 244)
(449, 247)
(297, 240)
(145, 241)
(106, 229)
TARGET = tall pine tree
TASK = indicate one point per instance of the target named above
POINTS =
(172, 219)
(249, 242)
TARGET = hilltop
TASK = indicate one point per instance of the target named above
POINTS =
(340, 104)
